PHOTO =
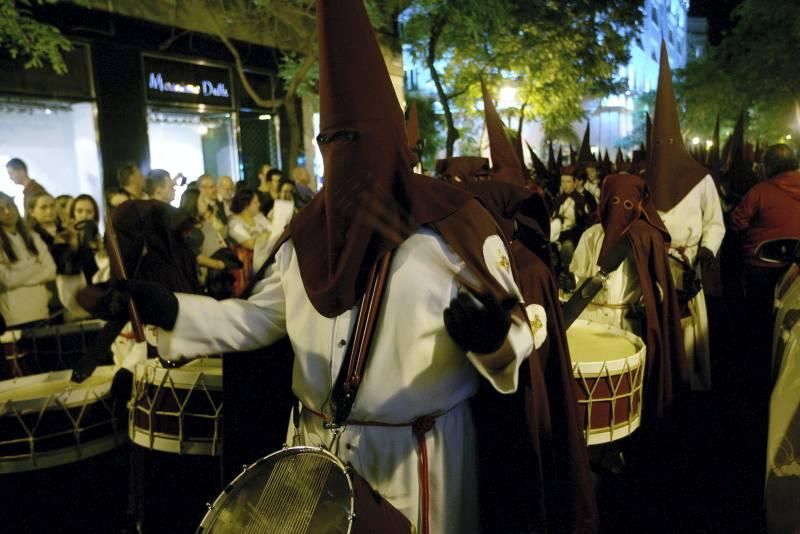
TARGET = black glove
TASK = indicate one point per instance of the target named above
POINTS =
(479, 326)
(156, 304)
(566, 281)
(122, 386)
(704, 255)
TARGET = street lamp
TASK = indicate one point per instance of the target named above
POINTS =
(695, 141)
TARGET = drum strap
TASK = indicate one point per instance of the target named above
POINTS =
(355, 360)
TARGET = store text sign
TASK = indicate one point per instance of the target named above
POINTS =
(187, 83)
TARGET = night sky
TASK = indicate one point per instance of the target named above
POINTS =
(718, 14)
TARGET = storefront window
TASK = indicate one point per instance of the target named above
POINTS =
(58, 142)
(192, 143)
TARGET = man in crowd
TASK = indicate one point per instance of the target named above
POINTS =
(159, 186)
(131, 179)
(208, 195)
(411, 434)
(687, 201)
(769, 210)
(225, 192)
(18, 173)
(569, 217)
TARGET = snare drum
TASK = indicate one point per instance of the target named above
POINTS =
(302, 490)
(178, 410)
(46, 420)
(608, 368)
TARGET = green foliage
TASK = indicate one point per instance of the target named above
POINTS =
(37, 43)
(555, 53)
(431, 126)
(752, 69)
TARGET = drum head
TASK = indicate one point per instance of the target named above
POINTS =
(297, 490)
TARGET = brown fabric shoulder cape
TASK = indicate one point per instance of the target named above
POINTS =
(666, 365)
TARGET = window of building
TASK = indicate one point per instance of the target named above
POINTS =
(654, 15)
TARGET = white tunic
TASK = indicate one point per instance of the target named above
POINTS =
(696, 221)
(415, 369)
(621, 290)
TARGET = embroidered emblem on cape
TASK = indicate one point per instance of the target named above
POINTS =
(538, 322)
(502, 261)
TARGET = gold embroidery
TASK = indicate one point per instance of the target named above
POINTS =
(503, 262)
(536, 324)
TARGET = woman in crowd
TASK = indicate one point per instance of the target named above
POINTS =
(247, 223)
(40, 214)
(25, 267)
(209, 246)
(78, 259)
(246, 227)
(63, 204)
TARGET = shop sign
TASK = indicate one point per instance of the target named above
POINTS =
(187, 83)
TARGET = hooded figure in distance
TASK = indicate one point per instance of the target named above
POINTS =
(686, 198)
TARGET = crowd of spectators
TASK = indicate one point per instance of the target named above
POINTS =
(55, 247)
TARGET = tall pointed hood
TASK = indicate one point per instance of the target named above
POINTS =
(739, 176)
(560, 156)
(585, 153)
(648, 132)
(671, 170)
(366, 157)
(619, 160)
(506, 166)
(412, 131)
(552, 166)
(539, 168)
(572, 155)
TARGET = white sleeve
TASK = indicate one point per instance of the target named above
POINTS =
(209, 326)
(238, 231)
(29, 270)
(519, 341)
(584, 262)
(713, 224)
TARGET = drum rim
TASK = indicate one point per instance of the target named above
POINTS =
(151, 372)
(64, 455)
(285, 450)
(14, 335)
(76, 396)
(595, 367)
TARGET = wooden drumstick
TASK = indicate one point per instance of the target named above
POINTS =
(118, 269)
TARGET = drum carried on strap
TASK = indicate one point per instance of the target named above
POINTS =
(608, 367)
(178, 410)
(46, 420)
(302, 490)
(42, 349)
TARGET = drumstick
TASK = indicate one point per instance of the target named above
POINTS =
(118, 268)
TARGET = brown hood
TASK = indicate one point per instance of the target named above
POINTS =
(671, 171)
(625, 198)
(367, 160)
(585, 155)
(462, 169)
(506, 166)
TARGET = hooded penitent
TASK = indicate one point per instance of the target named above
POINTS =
(619, 161)
(671, 171)
(739, 176)
(554, 487)
(506, 165)
(585, 156)
(366, 157)
(627, 208)
(539, 168)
